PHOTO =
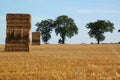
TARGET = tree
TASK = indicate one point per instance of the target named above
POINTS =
(65, 27)
(98, 28)
(119, 30)
(45, 28)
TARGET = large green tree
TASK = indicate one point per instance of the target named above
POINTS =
(65, 27)
(98, 28)
(45, 28)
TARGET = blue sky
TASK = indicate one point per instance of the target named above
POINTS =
(82, 11)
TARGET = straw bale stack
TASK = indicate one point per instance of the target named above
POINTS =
(18, 32)
(35, 38)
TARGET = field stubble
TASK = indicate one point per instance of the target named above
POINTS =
(62, 62)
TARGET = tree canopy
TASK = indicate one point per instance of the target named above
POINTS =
(45, 28)
(65, 27)
(98, 28)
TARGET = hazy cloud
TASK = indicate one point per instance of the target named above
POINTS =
(2, 25)
(90, 11)
(2, 18)
(39, 18)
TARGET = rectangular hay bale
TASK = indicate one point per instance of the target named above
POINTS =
(35, 38)
(18, 32)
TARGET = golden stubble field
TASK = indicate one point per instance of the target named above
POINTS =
(62, 62)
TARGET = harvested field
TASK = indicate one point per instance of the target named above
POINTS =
(62, 62)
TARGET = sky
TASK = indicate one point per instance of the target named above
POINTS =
(82, 11)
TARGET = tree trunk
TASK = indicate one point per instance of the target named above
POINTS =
(98, 40)
(63, 39)
(46, 42)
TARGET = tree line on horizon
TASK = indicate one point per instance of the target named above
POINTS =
(66, 27)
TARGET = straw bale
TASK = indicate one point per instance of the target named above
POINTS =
(35, 38)
(17, 34)
(12, 15)
(18, 17)
(16, 47)
(18, 24)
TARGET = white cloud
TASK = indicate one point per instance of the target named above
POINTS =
(92, 11)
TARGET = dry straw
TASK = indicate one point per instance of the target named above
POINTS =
(35, 38)
(18, 30)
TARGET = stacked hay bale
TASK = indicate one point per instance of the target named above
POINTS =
(35, 38)
(18, 32)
